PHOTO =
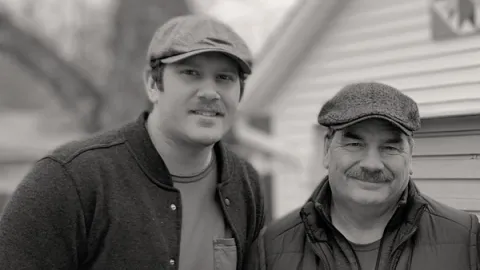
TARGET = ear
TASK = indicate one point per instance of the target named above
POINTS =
(326, 151)
(150, 86)
(410, 166)
(411, 143)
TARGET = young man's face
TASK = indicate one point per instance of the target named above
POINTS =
(368, 162)
(199, 99)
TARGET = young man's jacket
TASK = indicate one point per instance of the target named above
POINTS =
(422, 235)
(109, 203)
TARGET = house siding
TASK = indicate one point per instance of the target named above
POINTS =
(390, 42)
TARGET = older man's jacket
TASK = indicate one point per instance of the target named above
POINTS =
(423, 234)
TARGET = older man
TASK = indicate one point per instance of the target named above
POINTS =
(367, 213)
(159, 193)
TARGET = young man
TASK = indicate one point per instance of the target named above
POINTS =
(367, 213)
(159, 193)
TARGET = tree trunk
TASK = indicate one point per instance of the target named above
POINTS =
(135, 25)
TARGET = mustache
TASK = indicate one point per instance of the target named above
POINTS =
(370, 176)
(215, 107)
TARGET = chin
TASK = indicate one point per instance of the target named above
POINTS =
(205, 138)
(206, 141)
(370, 201)
(370, 197)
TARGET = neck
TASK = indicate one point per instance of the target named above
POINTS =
(361, 224)
(181, 159)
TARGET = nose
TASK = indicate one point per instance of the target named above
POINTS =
(208, 91)
(372, 161)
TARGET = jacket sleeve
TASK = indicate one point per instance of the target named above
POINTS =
(256, 255)
(43, 221)
(478, 246)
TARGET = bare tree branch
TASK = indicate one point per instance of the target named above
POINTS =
(76, 93)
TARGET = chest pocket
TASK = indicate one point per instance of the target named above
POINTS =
(225, 254)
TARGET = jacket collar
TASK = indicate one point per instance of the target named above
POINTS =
(141, 146)
(317, 220)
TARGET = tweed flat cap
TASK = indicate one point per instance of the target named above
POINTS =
(189, 35)
(360, 101)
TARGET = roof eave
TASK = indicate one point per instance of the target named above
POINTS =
(284, 52)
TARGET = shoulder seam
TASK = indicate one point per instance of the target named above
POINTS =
(75, 154)
(446, 218)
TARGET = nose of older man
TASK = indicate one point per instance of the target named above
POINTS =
(372, 161)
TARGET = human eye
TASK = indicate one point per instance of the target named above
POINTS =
(391, 149)
(227, 77)
(353, 145)
(190, 72)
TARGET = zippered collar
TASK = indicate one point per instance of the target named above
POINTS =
(317, 220)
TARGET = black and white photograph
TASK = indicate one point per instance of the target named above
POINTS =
(239, 135)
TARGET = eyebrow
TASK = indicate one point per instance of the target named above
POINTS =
(191, 63)
(186, 62)
(396, 139)
(229, 70)
(351, 135)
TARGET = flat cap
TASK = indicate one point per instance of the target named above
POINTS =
(360, 101)
(188, 35)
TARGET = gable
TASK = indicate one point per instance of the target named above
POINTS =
(389, 42)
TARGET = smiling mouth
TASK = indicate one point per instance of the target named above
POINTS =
(207, 113)
(370, 181)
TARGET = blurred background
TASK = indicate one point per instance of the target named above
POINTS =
(72, 68)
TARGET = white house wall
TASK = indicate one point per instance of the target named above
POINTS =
(387, 41)
(446, 160)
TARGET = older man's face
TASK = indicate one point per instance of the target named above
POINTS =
(368, 162)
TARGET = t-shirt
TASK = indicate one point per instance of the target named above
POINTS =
(206, 243)
(367, 254)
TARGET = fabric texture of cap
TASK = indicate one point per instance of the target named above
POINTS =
(189, 35)
(360, 101)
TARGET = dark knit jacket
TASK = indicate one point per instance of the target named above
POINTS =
(106, 203)
(423, 234)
